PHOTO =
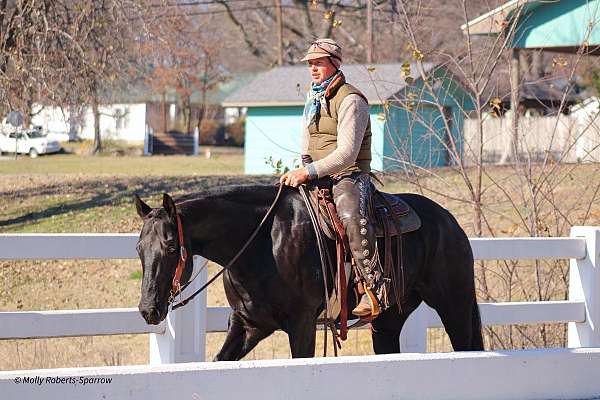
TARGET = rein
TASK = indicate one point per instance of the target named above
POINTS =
(325, 261)
(176, 289)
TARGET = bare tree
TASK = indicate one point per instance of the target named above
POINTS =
(184, 58)
(527, 196)
(66, 52)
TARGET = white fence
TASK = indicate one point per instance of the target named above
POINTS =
(561, 373)
(564, 137)
(181, 338)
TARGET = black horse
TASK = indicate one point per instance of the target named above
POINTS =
(278, 283)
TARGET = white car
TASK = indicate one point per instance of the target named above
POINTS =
(31, 142)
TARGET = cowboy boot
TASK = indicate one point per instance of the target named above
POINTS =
(368, 268)
(352, 200)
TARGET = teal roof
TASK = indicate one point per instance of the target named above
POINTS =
(558, 25)
(494, 22)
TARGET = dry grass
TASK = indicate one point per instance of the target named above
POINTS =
(68, 200)
(107, 284)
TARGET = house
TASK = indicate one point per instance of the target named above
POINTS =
(408, 128)
(130, 113)
(121, 121)
(559, 25)
(532, 27)
(536, 26)
(538, 96)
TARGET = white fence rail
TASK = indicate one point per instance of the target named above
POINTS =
(181, 338)
(506, 375)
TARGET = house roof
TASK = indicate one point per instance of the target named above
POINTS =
(549, 90)
(495, 21)
(141, 92)
(546, 89)
(287, 86)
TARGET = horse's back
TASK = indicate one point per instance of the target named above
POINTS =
(432, 214)
(440, 234)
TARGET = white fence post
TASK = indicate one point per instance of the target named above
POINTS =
(148, 141)
(413, 338)
(196, 140)
(584, 285)
(184, 339)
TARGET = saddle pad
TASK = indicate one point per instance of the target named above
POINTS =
(386, 204)
(407, 218)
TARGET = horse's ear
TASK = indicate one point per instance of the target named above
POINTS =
(142, 208)
(169, 205)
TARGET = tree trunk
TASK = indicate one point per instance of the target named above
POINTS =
(524, 65)
(96, 112)
(28, 109)
(201, 112)
(515, 78)
(369, 31)
(163, 107)
(188, 113)
(279, 32)
(512, 142)
(537, 65)
(204, 90)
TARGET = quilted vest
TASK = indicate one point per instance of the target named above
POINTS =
(323, 132)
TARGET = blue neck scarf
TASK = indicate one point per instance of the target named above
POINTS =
(314, 98)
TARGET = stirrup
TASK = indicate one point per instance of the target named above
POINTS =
(375, 308)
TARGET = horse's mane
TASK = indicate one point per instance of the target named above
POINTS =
(246, 193)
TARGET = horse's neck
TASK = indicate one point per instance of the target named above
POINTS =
(220, 228)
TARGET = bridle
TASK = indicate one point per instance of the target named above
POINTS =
(176, 287)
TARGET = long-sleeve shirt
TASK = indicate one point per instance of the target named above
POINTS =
(353, 117)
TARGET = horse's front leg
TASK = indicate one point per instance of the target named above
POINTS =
(301, 334)
(241, 339)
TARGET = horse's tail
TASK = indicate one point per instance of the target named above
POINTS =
(476, 335)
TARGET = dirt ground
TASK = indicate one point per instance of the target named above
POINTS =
(75, 199)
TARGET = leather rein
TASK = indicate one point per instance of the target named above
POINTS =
(176, 287)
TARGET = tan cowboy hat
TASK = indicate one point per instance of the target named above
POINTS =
(324, 48)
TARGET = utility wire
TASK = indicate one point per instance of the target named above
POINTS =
(210, 2)
(197, 3)
(254, 8)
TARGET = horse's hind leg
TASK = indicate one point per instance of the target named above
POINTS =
(241, 339)
(386, 327)
(462, 324)
(476, 335)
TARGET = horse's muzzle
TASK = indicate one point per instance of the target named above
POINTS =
(150, 314)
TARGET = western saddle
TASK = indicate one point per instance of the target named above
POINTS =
(393, 217)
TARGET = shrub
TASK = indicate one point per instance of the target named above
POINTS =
(235, 133)
(209, 131)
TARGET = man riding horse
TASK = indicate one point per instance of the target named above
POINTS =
(336, 143)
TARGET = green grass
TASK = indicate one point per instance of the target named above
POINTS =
(223, 161)
(135, 275)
